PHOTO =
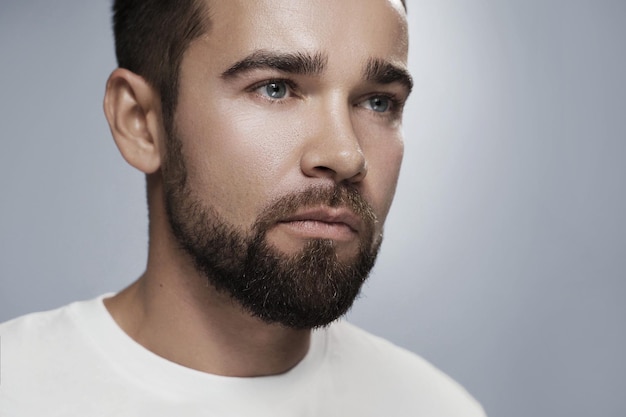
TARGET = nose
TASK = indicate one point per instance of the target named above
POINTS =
(332, 149)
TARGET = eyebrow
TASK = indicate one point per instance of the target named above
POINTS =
(381, 71)
(301, 63)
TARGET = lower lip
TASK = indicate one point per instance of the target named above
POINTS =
(314, 229)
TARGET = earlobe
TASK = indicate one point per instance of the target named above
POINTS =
(132, 108)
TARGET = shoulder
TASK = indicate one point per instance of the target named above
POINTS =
(38, 346)
(47, 326)
(34, 328)
(46, 338)
(47, 356)
(38, 341)
(384, 369)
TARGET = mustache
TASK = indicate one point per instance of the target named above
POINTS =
(335, 196)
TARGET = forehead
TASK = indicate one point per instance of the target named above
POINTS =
(341, 29)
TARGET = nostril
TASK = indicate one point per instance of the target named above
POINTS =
(322, 171)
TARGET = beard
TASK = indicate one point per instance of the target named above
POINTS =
(307, 289)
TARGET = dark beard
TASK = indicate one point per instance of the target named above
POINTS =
(304, 290)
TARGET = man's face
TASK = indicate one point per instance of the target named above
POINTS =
(285, 150)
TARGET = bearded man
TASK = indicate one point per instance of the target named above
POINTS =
(270, 135)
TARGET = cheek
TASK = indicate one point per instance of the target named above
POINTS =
(236, 158)
(382, 177)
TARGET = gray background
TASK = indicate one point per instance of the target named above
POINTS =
(504, 261)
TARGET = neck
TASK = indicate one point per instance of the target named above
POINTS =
(209, 333)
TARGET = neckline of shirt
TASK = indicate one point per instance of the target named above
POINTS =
(137, 364)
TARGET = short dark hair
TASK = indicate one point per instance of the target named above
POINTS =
(151, 37)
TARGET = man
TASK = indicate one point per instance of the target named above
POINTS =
(270, 136)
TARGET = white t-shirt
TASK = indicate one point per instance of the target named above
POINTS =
(76, 361)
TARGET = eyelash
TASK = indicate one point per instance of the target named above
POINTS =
(395, 104)
(291, 88)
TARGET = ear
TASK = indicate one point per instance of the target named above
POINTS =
(133, 110)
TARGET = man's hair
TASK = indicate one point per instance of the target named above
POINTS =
(151, 37)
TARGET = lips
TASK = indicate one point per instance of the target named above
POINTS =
(330, 215)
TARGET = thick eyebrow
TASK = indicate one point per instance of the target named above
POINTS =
(300, 63)
(384, 72)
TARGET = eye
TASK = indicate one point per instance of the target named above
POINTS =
(274, 89)
(379, 104)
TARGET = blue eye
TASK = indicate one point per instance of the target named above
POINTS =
(274, 89)
(379, 104)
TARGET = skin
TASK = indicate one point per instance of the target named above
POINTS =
(243, 149)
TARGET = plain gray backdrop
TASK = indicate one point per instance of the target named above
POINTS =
(505, 255)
